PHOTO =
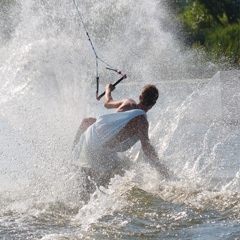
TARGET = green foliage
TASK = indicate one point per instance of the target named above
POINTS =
(231, 8)
(211, 25)
(196, 16)
(224, 42)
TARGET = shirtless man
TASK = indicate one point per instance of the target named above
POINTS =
(92, 135)
(138, 125)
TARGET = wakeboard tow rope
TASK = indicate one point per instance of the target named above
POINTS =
(98, 97)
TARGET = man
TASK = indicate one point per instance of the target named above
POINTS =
(101, 139)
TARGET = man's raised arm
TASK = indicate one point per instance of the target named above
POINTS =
(108, 100)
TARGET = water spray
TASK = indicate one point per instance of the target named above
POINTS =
(97, 58)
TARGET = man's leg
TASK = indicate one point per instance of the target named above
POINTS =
(86, 122)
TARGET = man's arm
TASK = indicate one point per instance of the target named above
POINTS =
(108, 100)
(148, 149)
(121, 105)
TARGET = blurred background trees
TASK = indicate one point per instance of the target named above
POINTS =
(213, 25)
(210, 25)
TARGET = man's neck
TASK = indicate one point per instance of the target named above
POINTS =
(142, 107)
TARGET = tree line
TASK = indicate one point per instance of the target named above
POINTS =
(213, 26)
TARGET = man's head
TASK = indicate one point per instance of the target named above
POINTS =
(149, 95)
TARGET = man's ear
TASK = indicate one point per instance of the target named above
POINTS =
(140, 98)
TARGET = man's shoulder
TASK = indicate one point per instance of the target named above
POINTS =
(128, 104)
(138, 124)
(129, 101)
(140, 120)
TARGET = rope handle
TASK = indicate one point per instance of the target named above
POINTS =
(115, 70)
(115, 84)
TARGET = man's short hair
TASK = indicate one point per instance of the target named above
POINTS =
(149, 95)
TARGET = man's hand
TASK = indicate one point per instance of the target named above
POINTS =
(108, 100)
(109, 88)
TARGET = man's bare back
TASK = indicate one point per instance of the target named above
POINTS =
(137, 126)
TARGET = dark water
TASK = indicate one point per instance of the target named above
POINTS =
(47, 86)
